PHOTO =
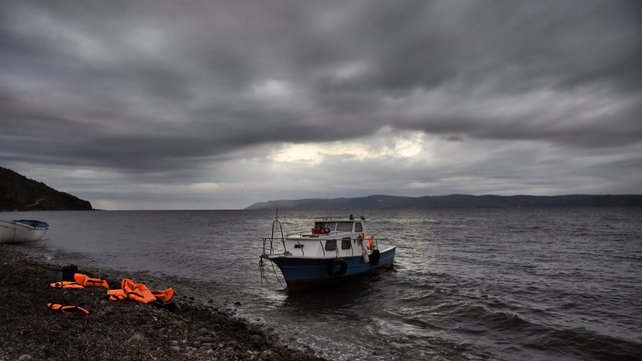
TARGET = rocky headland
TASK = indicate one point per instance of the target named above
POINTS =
(19, 193)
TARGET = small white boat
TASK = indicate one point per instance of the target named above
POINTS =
(331, 251)
(22, 230)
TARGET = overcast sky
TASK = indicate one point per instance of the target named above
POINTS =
(219, 104)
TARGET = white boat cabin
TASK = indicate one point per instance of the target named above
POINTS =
(330, 238)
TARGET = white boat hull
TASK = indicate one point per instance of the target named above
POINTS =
(13, 232)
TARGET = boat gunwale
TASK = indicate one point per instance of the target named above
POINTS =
(290, 257)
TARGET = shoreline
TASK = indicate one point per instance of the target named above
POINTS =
(121, 330)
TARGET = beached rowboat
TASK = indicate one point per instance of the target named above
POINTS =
(23, 230)
(331, 251)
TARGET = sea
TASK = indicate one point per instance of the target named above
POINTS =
(467, 284)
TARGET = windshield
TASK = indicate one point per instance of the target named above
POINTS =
(331, 225)
(344, 227)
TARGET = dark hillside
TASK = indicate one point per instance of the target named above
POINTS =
(18, 192)
(457, 201)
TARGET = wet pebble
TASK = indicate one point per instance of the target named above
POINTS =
(136, 338)
(205, 339)
(266, 354)
(256, 338)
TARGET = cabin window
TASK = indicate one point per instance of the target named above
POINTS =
(330, 225)
(358, 228)
(344, 227)
(345, 243)
(331, 245)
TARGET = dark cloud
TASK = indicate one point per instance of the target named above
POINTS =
(157, 89)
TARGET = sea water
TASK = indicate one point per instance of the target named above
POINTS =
(472, 284)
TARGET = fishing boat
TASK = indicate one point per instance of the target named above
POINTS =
(333, 250)
(22, 230)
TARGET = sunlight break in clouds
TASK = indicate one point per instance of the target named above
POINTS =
(381, 145)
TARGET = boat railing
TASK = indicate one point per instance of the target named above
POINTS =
(323, 218)
(277, 228)
(350, 217)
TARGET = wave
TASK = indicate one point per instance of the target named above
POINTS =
(586, 344)
(575, 342)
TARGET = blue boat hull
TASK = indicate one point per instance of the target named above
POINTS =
(34, 223)
(304, 273)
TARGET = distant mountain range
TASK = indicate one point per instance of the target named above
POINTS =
(20, 193)
(457, 201)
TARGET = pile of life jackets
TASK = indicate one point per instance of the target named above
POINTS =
(139, 292)
(129, 290)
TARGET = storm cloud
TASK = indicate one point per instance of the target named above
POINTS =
(217, 104)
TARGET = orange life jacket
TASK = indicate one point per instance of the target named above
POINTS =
(163, 296)
(369, 239)
(66, 284)
(90, 282)
(139, 292)
(116, 295)
(67, 309)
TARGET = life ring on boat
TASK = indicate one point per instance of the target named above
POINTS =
(342, 267)
(374, 257)
(316, 230)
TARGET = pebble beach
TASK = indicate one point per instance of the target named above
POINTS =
(117, 330)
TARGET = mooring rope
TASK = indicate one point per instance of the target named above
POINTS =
(264, 276)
